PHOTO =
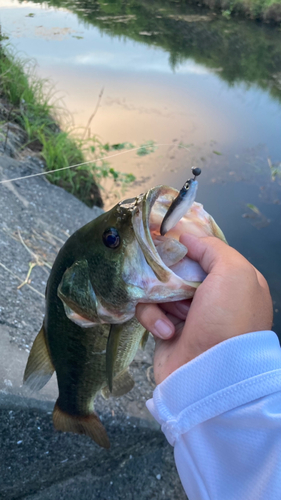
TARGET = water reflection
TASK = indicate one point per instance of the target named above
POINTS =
(174, 74)
(240, 51)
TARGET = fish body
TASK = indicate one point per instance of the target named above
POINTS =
(90, 334)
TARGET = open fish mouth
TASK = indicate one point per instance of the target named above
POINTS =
(149, 268)
(165, 254)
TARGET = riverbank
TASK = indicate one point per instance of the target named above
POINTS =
(40, 463)
(25, 102)
(267, 11)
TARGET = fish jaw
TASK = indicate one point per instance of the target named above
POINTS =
(159, 282)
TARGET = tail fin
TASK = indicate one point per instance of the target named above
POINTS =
(89, 425)
(39, 367)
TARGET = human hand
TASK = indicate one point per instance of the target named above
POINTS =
(232, 300)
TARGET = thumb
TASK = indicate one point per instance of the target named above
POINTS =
(207, 251)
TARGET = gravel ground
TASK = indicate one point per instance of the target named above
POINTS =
(36, 218)
(41, 464)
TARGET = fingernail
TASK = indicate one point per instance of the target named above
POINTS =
(163, 329)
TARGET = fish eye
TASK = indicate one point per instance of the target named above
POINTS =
(111, 238)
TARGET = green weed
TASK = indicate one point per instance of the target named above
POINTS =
(147, 148)
(30, 99)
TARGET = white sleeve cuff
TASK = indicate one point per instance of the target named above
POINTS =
(234, 372)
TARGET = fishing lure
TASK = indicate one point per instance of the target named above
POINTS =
(182, 203)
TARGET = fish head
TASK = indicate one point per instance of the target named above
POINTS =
(92, 289)
(125, 260)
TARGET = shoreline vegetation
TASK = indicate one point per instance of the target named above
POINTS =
(266, 11)
(26, 101)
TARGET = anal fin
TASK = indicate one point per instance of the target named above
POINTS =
(90, 425)
(39, 367)
(122, 384)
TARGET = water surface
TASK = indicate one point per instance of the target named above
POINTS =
(176, 75)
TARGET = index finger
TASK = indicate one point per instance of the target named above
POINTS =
(155, 320)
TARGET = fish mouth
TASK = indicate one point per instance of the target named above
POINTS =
(173, 267)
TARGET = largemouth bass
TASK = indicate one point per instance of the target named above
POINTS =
(90, 334)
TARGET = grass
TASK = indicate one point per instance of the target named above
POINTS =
(29, 100)
(263, 10)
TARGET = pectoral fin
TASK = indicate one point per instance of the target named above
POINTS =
(111, 352)
(76, 292)
(76, 318)
(39, 368)
(122, 384)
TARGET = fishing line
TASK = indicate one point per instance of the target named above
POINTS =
(83, 163)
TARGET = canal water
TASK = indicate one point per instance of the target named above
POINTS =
(207, 87)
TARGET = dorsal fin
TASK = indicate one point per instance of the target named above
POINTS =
(39, 367)
(90, 425)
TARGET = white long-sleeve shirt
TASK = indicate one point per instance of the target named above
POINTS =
(222, 413)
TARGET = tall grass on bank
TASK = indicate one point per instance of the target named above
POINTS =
(29, 100)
